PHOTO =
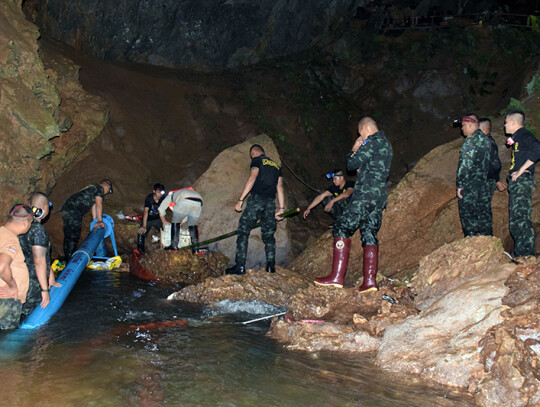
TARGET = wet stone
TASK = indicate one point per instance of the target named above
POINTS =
(183, 267)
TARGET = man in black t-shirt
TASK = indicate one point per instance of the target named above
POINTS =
(76, 206)
(264, 182)
(335, 198)
(525, 153)
(151, 217)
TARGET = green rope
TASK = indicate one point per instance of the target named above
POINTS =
(287, 214)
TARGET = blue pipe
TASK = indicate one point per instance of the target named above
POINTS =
(67, 278)
(13, 343)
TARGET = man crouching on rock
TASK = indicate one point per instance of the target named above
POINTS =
(371, 157)
(263, 182)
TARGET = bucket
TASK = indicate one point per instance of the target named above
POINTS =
(166, 236)
(185, 238)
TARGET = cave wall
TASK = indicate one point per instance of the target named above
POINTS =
(41, 131)
(203, 34)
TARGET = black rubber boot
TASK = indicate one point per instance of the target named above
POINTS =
(236, 269)
(270, 268)
(175, 236)
(140, 243)
(194, 235)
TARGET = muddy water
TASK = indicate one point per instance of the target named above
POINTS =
(88, 355)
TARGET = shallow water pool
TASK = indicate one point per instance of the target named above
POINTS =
(88, 355)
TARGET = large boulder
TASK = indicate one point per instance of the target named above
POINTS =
(478, 328)
(462, 288)
(220, 186)
(510, 352)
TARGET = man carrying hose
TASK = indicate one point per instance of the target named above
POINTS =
(76, 206)
(263, 183)
(36, 248)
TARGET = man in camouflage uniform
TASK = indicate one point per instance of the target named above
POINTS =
(471, 179)
(493, 179)
(36, 246)
(264, 182)
(76, 206)
(13, 271)
(371, 157)
(521, 184)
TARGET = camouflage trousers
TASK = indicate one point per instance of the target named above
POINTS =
(10, 313)
(520, 209)
(33, 295)
(263, 209)
(485, 220)
(475, 219)
(72, 232)
(337, 208)
(363, 216)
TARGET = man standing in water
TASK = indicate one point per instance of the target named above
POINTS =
(263, 183)
(151, 217)
(471, 178)
(36, 246)
(13, 271)
(521, 184)
(371, 157)
(76, 206)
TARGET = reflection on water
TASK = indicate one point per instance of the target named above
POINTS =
(88, 356)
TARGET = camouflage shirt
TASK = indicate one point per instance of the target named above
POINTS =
(474, 160)
(36, 236)
(82, 201)
(372, 162)
(494, 161)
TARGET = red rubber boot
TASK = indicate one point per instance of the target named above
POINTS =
(342, 248)
(371, 263)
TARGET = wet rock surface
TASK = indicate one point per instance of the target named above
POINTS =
(510, 352)
(256, 285)
(441, 343)
(28, 105)
(184, 267)
(453, 265)
(34, 123)
(341, 319)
